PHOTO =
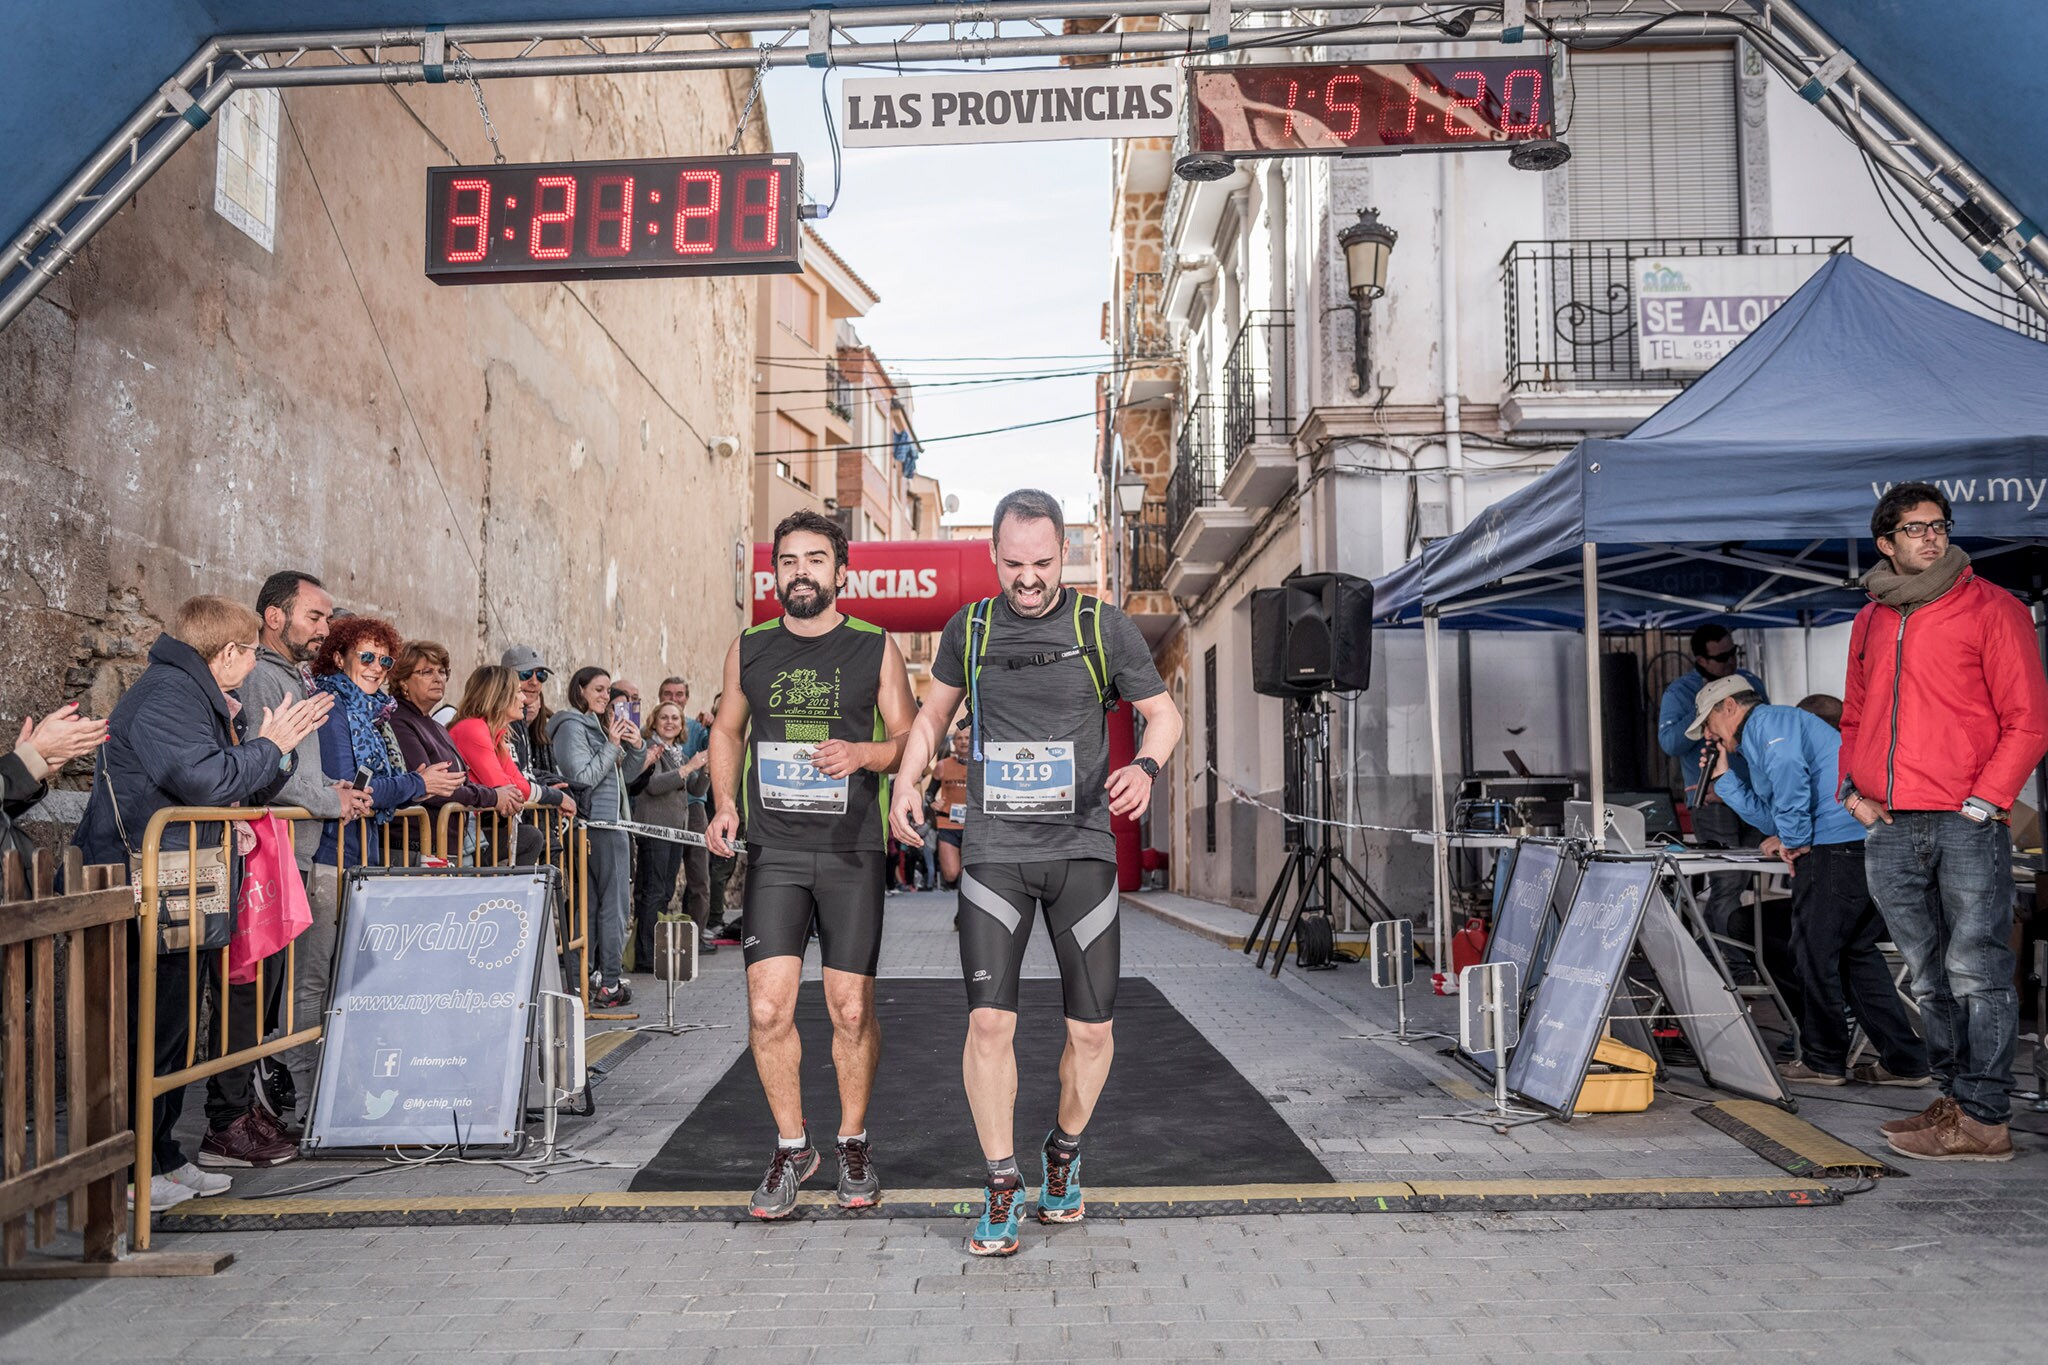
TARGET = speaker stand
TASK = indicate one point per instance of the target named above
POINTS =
(1316, 871)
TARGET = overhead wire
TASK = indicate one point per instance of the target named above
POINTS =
(935, 440)
(391, 365)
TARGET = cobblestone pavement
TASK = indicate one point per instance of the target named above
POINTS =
(1948, 1264)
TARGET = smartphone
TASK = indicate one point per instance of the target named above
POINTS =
(363, 778)
(626, 710)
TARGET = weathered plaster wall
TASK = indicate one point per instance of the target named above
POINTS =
(185, 412)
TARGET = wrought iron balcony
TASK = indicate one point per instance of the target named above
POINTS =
(1145, 549)
(1570, 306)
(1197, 468)
(838, 392)
(1145, 335)
(1256, 384)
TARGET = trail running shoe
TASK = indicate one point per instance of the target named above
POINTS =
(859, 1186)
(996, 1233)
(1059, 1196)
(787, 1171)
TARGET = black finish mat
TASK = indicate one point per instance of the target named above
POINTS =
(1175, 1112)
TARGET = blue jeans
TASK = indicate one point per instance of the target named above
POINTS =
(1944, 885)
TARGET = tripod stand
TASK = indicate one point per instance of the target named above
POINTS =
(1316, 870)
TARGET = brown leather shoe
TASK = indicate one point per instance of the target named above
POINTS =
(1926, 1118)
(245, 1142)
(1955, 1136)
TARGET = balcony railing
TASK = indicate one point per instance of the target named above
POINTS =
(838, 392)
(1145, 335)
(1197, 470)
(1256, 402)
(1146, 549)
(1571, 312)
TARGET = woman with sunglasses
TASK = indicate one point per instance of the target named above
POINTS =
(351, 668)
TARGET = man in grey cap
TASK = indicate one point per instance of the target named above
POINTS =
(533, 673)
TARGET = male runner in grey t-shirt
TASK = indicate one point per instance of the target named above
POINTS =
(1038, 667)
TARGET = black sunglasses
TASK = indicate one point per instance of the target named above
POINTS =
(370, 657)
(529, 674)
(1733, 653)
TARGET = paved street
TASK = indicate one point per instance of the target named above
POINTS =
(1945, 1265)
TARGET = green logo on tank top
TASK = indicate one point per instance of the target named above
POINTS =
(801, 692)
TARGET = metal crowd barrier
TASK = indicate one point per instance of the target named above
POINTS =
(469, 837)
(86, 932)
(405, 841)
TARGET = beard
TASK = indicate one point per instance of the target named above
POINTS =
(820, 598)
(1046, 593)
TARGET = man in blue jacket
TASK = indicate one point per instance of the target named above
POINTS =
(1714, 655)
(1788, 792)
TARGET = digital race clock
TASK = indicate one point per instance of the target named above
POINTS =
(709, 215)
(1364, 108)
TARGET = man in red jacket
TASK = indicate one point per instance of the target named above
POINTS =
(1943, 719)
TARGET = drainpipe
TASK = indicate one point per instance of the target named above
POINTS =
(1447, 287)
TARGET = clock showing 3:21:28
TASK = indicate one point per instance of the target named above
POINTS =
(668, 216)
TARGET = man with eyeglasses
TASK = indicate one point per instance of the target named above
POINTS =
(1714, 655)
(1944, 716)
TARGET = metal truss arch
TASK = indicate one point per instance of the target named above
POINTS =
(1945, 186)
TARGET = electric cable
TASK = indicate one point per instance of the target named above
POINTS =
(832, 135)
(391, 365)
(957, 436)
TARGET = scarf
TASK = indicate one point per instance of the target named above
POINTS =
(1905, 591)
(365, 712)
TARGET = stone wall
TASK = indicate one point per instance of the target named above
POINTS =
(183, 411)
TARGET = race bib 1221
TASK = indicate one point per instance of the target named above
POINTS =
(791, 781)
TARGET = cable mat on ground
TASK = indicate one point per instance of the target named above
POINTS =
(1790, 1142)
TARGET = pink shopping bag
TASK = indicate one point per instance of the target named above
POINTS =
(273, 909)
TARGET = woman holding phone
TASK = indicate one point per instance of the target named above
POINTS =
(599, 747)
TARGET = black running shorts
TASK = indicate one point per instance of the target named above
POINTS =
(997, 902)
(843, 892)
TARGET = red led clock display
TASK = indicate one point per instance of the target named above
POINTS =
(712, 215)
(1372, 107)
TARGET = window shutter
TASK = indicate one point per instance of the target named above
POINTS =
(1654, 148)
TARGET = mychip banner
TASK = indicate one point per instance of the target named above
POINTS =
(431, 1009)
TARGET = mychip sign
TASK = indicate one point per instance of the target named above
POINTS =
(1692, 310)
(431, 1009)
(1010, 106)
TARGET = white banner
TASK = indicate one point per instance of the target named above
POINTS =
(1692, 310)
(1009, 106)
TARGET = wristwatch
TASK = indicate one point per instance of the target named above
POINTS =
(1146, 766)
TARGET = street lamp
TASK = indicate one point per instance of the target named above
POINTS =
(1367, 244)
(1130, 495)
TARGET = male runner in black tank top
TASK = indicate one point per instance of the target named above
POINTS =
(813, 715)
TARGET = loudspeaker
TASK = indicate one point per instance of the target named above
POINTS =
(1312, 634)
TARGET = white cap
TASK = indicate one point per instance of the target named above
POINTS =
(1711, 696)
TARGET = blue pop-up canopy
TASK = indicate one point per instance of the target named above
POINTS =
(1749, 495)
